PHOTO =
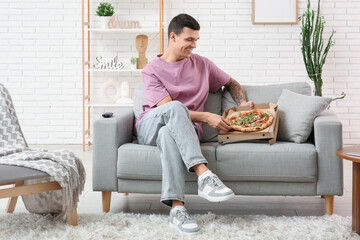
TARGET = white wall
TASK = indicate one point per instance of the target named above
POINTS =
(40, 56)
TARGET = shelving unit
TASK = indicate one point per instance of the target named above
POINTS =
(88, 102)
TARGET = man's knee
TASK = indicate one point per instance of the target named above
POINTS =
(177, 107)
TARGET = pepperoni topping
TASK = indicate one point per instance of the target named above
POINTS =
(266, 119)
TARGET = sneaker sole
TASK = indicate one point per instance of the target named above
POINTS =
(215, 199)
(176, 227)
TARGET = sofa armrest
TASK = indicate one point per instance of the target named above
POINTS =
(109, 135)
(328, 138)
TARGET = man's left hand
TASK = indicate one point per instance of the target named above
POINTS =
(249, 103)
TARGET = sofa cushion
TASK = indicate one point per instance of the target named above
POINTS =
(261, 162)
(139, 100)
(264, 94)
(142, 162)
(297, 113)
(213, 105)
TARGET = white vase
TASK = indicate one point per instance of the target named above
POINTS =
(132, 66)
(104, 22)
(125, 92)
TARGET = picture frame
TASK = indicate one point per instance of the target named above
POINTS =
(275, 12)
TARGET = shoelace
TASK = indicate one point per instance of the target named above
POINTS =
(183, 216)
(215, 181)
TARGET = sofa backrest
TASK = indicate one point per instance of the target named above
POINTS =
(266, 93)
(222, 100)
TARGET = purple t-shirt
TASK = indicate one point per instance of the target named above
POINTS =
(188, 81)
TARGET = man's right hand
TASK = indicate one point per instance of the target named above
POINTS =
(218, 122)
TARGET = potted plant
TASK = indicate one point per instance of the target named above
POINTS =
(105, 11)
(133, 61)
(314, 54)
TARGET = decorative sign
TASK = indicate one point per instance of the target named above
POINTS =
(123, 24)
(103, 64)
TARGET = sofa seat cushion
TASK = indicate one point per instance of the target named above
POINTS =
(142, 162)
(280, 162)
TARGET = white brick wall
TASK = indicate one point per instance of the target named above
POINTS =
(40, 56)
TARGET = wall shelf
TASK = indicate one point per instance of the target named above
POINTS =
(114, 70)
(95, 104)
(118, 30)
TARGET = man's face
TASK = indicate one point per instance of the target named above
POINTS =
(185, 42)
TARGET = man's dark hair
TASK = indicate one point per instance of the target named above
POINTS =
(180, 21)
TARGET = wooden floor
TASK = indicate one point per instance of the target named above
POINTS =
(90, 202)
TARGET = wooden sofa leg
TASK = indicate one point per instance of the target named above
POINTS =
(10, 207)
(106, 199)
(126, 194)
(72, 217)
(329, 204)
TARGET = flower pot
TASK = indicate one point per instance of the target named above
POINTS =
(133, 66)
(104, 22)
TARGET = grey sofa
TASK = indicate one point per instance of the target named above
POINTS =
(120, 164)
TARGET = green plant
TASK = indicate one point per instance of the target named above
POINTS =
(133, 60)
(105, 9)
(314, 55)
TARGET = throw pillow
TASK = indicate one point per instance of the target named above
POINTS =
(297, 113)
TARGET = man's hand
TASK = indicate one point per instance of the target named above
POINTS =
(218, 122)
(249, 103)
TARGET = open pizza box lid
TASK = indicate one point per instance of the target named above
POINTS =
(267, 133)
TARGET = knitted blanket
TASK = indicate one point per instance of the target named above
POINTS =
(62, 165)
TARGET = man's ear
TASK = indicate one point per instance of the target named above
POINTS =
(172, 37)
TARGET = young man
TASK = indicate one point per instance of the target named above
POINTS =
(177, 85)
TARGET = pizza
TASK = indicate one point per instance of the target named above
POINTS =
(250, 121)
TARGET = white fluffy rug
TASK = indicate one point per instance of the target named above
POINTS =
(141, 226)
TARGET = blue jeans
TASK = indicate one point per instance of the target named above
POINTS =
(169, 127)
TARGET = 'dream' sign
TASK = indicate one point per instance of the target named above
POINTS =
(123, 24)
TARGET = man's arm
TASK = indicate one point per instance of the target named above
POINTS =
(215, 121)
(164, 100)
(238, 94)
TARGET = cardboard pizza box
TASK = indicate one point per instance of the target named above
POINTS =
(267, 133)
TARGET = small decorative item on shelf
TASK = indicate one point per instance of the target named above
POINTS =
(123, 24)
(112, 65)
(314, 55)
(141, 46)
(124, 95)
(133, 62)
(106, 87)
(104, 11)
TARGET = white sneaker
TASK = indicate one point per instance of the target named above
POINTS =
(179, 219)
(213, 189)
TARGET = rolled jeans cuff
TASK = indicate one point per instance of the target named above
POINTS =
(190, 166)
(168, 200)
